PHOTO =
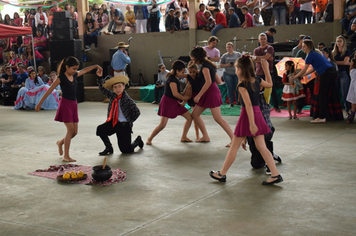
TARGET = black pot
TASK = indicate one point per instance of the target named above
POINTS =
(99, 174)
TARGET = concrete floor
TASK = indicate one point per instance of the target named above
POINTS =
(168, 190)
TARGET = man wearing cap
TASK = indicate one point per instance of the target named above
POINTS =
(122, 112)
(120, 59)
(116, 18)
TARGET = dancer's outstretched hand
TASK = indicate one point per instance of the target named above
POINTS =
(99, 71)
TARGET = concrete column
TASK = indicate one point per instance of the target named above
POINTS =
(82, 8)
(193, 9)
(339, 9)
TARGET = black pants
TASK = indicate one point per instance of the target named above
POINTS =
(257, 160)
(327, 79)
(123, 134)
(155, 22)
(157, 89)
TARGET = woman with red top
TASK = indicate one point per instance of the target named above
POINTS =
(41, 21)
(13, 61)
(220, 21)
(29, 55)
(18, 19)
(39, 42)
(26, 40)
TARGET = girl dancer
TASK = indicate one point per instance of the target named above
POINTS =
(209, 96)
(251, 122)
(195, 83)
(351, 95)
(68, 109)
(169, 106)
(291, 91)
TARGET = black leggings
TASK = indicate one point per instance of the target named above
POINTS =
(326, 81)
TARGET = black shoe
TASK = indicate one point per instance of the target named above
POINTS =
(231, 105)
(276, 157)
(222, 177)
(268, 171)
(107, 151)
(278, 180)
(139, 141)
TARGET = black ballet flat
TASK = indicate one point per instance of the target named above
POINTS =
(222, 177)
(278, 180)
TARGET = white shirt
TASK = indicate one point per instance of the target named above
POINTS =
(308, 6)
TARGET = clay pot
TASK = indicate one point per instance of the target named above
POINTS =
(99, 174)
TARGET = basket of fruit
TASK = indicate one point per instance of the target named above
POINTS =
(72, 176)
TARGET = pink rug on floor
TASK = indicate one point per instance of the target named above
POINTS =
(284, 113)
(53, 171)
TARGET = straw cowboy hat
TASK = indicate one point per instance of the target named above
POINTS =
(116, 79)
(122, 45)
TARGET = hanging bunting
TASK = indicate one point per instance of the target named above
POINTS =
(32, 6)
(141, 3)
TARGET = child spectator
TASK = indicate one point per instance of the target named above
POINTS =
(234, 19)
(209, 26)
(256, 16)
(226, 12)
(177, 24)
(248, 18)
(185, 21)
(91, 33)
(170, 21)
(23, 59)
(42, 74)
(129, 20)
(7, 19)
(13, 61)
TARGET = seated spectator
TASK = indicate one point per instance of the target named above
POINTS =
(40, 41)
(129, 20)
(26, 40)
(248, 18)
(226, 12)
(234, 19)
(211, 21)
(320, 9)
(116, 18)
(15, 43)
(102, 19)
(91, 32)
(105, 8)
(42, 74)
(201, 18)
(270, 33)
(185, 21)
(161, 81)
(170, 21)
(279, 11)
(7, 19)
(19, 81)
(306, 11)
(8, 78)
(41, 21)
(220, 20)
(13, 61)
(256, 17)
(30, 95)
(18, 20)
(350, 15)
(154, 16)
(141, 15)
(30, 55)
(266, 12)
(24, 60)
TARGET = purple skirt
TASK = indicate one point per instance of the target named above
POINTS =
(170, 108)
(67, 111)
(211, 98)
(243, 126)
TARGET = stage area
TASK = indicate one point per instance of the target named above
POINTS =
(167, 190)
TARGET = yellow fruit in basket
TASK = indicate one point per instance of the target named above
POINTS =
(66, 175)
(73, 173)
(73, 176)
(80, 174)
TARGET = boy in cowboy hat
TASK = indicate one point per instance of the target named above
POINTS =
(120, 59)
(122, 112)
